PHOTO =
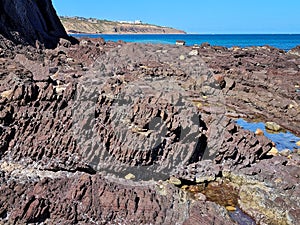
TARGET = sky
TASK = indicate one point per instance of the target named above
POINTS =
(194, 16)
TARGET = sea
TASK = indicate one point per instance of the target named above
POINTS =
(282, 41)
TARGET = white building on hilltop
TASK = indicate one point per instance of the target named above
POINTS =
(131, 22)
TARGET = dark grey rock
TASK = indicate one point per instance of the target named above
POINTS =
(31, 22)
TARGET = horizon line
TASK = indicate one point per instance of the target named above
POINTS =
(189, 33)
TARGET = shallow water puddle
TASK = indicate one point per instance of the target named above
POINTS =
(225, 194)
(241, 218)
(283, 140)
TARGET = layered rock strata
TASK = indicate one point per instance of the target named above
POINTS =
(76, 120)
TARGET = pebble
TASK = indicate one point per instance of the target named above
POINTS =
(278, 180)
(182, 57)
(199, 105)
(194, 52)
(203, 179)
(70, 60)
(259, 132)
(200, 197)
(185, 187)
(175, 181)
(230, 208)
(129, 176)
(83, 43)
(196, 188)
(273, 152)
(6, 94)
(285, 152)
(273, 126)
(298, 143)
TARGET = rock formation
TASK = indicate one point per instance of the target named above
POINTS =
(295, 51)
(28, 21)
(119, 133)
(75, 121)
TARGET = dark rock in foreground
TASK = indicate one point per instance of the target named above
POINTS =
(28, 21)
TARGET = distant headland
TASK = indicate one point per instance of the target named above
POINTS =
(96, 26)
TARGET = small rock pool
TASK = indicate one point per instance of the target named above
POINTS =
(283, 140)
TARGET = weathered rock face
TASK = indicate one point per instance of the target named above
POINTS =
(261, 83)
(26, 21)
(74, 121)
(126, 122)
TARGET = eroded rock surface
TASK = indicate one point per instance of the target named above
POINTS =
(261, 184)
(260, 83)
(77, 119)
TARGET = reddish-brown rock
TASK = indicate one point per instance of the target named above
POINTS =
(72, 129)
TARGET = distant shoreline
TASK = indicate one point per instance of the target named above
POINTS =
(225, 34)
(79, 25)
(69, 33)
(281, 41)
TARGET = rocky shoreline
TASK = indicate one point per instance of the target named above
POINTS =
(95, 132)
(52, 164)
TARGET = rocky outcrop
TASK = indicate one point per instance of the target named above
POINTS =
(51, 198)
(28, 21)
(259, 185)
(77, 120)
(261, 83)
(295, 51)
(116, 133)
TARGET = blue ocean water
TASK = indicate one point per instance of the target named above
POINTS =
(282, 41)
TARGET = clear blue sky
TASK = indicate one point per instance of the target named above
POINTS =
(194, 16)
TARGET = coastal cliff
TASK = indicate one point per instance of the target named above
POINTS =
(94, 26)
(26, 21)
